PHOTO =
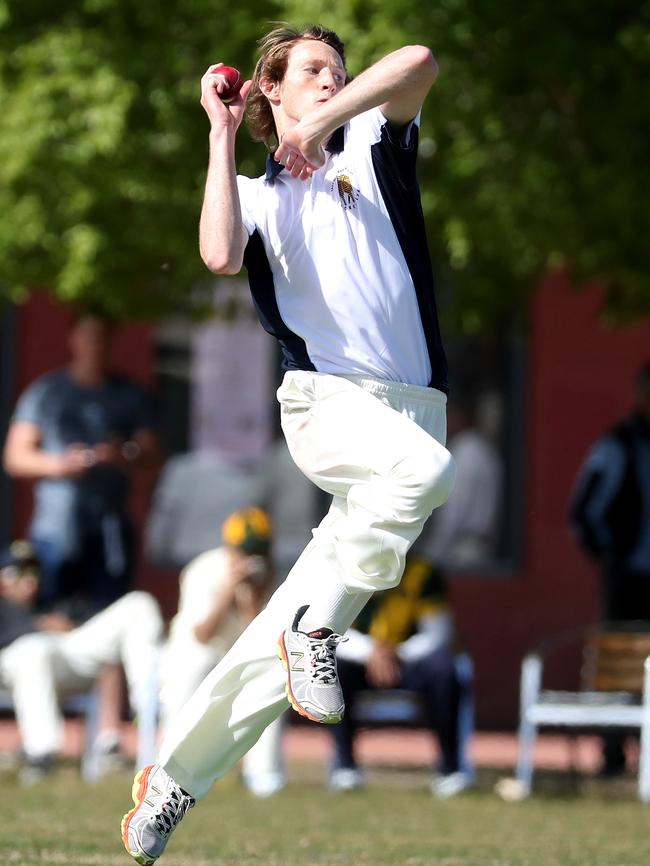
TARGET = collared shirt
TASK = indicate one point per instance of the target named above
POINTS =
(338, 265)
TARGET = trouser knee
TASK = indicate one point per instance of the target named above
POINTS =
(27, 655)
(436, 478)
(424, 481)
(143, 609)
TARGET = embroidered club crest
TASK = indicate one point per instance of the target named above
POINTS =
(347, 193)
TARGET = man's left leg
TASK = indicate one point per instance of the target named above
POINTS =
(435, 678)
(345, 774)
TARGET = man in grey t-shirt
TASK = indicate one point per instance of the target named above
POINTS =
(79, 432)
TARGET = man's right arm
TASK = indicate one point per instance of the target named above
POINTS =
(222, 235)
(25, 458)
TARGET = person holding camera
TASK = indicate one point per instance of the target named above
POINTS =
(221, 592)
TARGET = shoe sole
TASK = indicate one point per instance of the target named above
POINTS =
(138, 791)
(282, 655)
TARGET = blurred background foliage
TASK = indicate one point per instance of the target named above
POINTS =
(533, 147)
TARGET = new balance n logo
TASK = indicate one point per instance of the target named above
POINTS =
(296, 661)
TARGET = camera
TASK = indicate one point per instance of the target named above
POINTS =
(256, 570)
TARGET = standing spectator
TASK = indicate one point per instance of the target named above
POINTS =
(43, 656)
(610, 509)
(610, 515)
(79, 433)
(404, 639)
(221, 592)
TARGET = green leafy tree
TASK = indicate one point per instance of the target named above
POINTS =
(104, 144)
(534, 141)
(532, 145)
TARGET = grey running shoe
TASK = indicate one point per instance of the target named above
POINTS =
(309, 659)
(160, 804)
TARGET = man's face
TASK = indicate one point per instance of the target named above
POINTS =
(314, 74)
(90, 341)
(19, 586)
(254, 569)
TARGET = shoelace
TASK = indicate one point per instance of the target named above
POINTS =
(323, 660)
(172, 811)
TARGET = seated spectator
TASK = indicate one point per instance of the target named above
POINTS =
(402, 639)
(221, 592)
(43, 656)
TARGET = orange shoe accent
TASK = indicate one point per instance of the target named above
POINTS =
(138, 791)
(282, 655)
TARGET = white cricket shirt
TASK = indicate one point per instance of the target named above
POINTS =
(338, 265)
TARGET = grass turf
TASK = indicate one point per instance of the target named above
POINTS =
(394, 822)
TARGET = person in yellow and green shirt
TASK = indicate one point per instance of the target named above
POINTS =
(404, 639)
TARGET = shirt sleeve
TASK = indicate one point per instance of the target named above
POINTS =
(30, 404)
(248, 191)
(434, 631)
(374, 126)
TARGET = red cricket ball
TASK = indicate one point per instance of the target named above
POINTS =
(233, 84)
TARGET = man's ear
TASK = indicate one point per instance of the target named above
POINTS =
(270, 89)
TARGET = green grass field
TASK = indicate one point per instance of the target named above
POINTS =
(394, 822)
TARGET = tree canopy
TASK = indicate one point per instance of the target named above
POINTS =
(532, 146)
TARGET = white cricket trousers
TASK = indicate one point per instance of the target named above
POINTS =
(378, 448)
(184, 665)
(41, 667)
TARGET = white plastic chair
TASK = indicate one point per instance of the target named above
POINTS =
(615, 694)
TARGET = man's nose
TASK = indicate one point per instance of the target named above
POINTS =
(326, 79)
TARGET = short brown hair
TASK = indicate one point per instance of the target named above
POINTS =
(274, 51)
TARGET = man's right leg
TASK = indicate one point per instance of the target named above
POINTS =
(28, 668)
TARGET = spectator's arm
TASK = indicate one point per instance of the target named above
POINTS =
(236, 582)
(434, 631)
(208, 627)
(24, 457)
(598, 484)
(357, 647)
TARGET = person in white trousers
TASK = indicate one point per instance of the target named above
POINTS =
(43, 658)
(221, 591)
(334, 241)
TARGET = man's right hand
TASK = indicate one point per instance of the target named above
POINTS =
(54, 623)
(382, 667)
(299, 154)
(75, 461)
(221, 114)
